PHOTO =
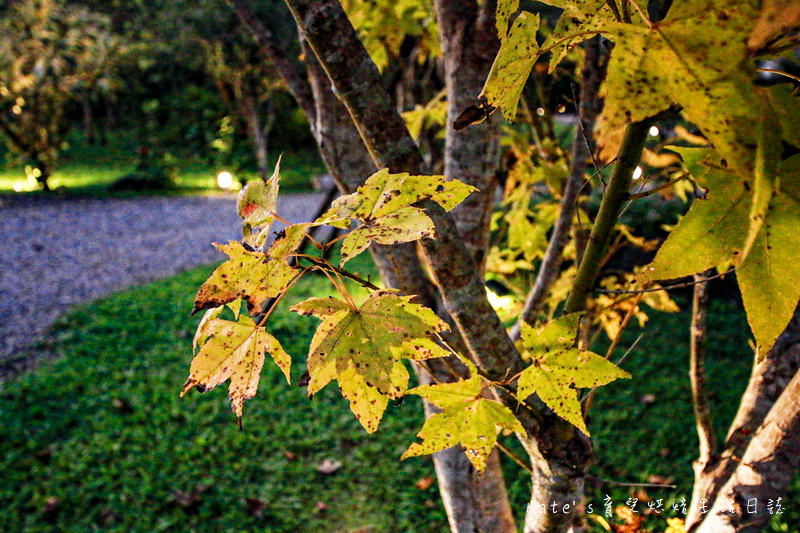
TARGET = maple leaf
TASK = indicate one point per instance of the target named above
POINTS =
(580, 21)
(696, 58)
(513, 63)
(384, 205)
(467, 418)
(519, 49)
(252, 276)
(719, 229)
(777, 16)
(234, 350)
(361, 348)
(558, 367)
(366, 402)
(257, 205)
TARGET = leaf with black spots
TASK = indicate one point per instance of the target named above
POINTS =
(361, 348)
(253, 276)
(718, 229)
(368, 340)
(384, 206)
(235, 351)
(467, 418)
(558, 367)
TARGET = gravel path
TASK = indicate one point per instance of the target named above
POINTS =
(55, 253)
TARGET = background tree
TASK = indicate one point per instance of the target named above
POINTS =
(52, 55)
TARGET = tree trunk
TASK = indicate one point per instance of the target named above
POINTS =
(88, 119)
(746, 502)
(768, 385)
(469, 45)
(247, 106)
(474, 503)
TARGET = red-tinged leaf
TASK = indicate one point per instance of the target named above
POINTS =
(257, 205)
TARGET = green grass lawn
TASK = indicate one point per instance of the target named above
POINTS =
(99, 440)
(89, 170)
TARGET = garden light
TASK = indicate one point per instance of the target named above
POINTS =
(225, 179)
(654, 131)
(637, 173)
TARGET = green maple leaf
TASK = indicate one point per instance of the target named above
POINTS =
(467, 418)
(253, 276)
(384, 205)
(696, 58)
(512, 66)
(257, 205)
(580, 21)
(234, 350)
(366, 402)
(366, 343)
(717, 230)
(558, 367)
(519, 49)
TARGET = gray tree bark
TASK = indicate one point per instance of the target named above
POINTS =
(473, 502)
(753, 443)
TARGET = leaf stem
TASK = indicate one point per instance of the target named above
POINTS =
(661, 187)
(641, 14)
(668, 287)
(278, 299)
(325, 265)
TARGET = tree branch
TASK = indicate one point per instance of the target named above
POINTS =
(614, 199)
(357, 82)
(289, 70)
(769, 380)
(593, 75)
(764, 472)
(697, 375)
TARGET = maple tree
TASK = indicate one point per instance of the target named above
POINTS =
(478, 379)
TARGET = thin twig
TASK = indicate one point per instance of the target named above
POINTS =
(621, 484)
(666, 287)
(588, 400)
(323, 264)
(659, 188)
(629, 350)
(514, 457)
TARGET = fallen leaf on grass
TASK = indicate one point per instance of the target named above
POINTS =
(660, 480)
(424, 483)
(328, 467)
(321, 507)
(255, 507)
(52, 506)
